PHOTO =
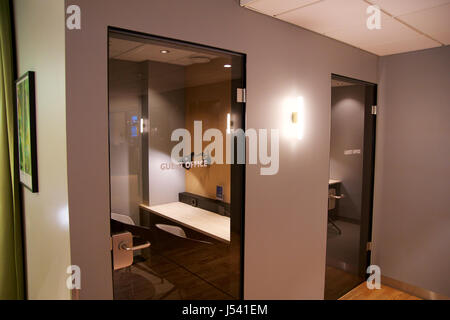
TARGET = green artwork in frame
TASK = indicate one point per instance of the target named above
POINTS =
(26, 130)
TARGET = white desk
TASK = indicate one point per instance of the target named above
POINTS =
(332, 181)
(203, 221)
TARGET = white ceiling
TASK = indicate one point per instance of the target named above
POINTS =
(406, 25)
(210, 69)
(340, 83)
(136, 51)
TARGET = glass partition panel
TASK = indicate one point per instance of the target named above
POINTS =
(172, 107)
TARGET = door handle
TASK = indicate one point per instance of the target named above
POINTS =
(122, 249)
(123, 246)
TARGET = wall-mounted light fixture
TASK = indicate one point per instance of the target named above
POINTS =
(295, 108)
(227, 65)
(142, 125)
(228, 123)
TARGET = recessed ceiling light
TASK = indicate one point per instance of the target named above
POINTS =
(227, 66)
(165, 51)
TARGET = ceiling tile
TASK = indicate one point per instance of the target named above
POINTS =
(391, 31)
(399, 7)
(119, 46)
(153, 52)
(434, 22)
(274, 7)
(328, 15)
(393, 37)
(418, 42)
(345, 20)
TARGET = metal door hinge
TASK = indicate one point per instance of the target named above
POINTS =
(241, 95)
(369, 246)
(374, 110)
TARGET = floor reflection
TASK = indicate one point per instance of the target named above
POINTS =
(341, 273)
(158, 278)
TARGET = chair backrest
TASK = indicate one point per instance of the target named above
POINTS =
(122, 218)
(178, 232)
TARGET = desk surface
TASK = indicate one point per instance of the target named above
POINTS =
(200, 220)
(332, 181)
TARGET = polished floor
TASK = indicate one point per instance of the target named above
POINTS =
(385, 293)
(343, 249)
(180, 274)
(339, 282)
(341, 273)
(160, 279)
(205, 274)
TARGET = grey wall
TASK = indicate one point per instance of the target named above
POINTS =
(166, 101)
(347, 133)
(128, 86)
(162, 85)
(286, 214)
(412, 181)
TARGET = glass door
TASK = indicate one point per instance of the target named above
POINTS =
(350, 190)
(176, 199)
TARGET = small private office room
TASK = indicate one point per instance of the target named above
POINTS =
(155, 87)
(225, 150)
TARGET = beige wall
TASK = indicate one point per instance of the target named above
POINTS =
(40, 48)
(412, 178)
(286, 214)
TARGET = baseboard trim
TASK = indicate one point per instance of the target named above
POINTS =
(413, 290)
(347, 267)
(75, 294)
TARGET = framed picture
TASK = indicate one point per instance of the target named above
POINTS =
(26, 130)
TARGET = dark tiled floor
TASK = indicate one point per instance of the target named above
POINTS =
(160, 278)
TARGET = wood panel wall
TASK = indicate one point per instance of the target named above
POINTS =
(209, 103)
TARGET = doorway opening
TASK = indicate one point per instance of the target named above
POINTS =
(176, 224)
(350, 192)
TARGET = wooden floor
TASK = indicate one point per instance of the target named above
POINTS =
(339, 282)
(361, 292)
(182, 270)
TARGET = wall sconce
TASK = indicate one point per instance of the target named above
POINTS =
(142, 125)
(228, 123)
(297, 117)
